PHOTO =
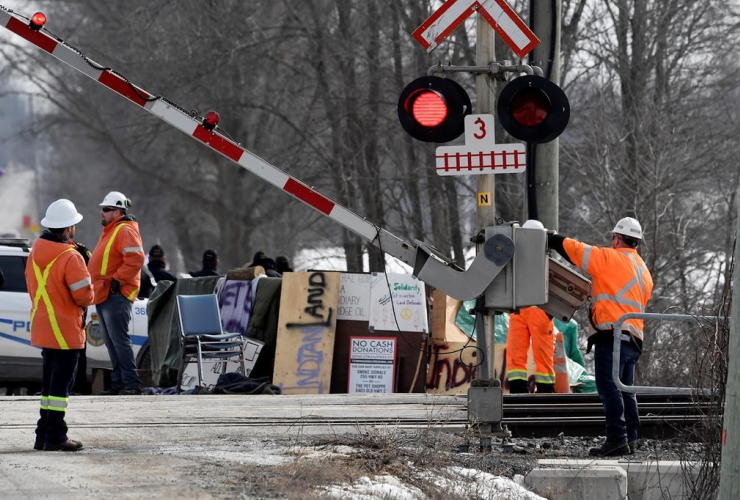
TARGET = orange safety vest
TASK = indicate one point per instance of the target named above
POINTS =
(621, 280)
(118, 255)
(60, 286)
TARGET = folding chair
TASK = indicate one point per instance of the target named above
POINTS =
(202, 340)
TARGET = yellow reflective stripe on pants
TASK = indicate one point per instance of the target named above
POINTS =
(106, 253)
(517, 375)
(544, 378)
(41, 293)
(57, 403)
(44, 402)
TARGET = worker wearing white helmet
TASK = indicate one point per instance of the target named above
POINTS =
(60, 288)
(115, 267)
(622, 284)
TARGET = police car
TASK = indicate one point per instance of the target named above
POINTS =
(19, 360)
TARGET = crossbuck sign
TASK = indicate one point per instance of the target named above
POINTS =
(499, 15)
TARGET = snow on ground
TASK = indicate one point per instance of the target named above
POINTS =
(459, 482)
(332, 259)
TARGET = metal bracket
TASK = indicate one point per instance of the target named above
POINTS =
(494, 69)
(440, 272)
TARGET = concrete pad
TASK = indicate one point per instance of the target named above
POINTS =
(591, 483)
(651, 480)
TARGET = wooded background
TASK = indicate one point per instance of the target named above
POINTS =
(312, 87)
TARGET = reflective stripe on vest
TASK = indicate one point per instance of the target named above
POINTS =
(106, 253)
(58, 404)
(133, 294)
(620, 298)
(41, 293)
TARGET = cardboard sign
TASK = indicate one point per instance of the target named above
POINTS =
(354, 297)
(306, 329)
(403, 305)
(372, 365)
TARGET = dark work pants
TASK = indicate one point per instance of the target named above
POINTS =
(622, 418)
(58, 378)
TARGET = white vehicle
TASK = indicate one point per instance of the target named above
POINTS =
(19, 360)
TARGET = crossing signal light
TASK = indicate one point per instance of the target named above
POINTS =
(433, 109)
(533, 109)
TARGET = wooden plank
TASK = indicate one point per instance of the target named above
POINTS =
(444, 312)
(306, 332)
(453, 365)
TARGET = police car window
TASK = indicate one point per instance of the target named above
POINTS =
(13, 268)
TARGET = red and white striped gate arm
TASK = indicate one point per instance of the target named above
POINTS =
(429, 266)
(170, 113)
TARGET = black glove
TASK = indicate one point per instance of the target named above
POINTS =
(84, 251)
(115, 287)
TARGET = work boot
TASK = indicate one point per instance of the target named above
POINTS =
(634, 446)
(545, 388)
(68, 445)
(518, 387)
(39, 444)
(131, 391)
(611, 449)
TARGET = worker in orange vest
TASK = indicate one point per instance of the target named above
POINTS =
(621, 284)
(535, 325)
(115, 267)
(60, 287)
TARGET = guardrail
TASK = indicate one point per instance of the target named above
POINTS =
(618, 345)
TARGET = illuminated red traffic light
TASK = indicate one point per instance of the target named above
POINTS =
(530, 107)
(429, 109)
(37, 21)
(433, 109)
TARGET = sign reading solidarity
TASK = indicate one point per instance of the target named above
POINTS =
(497, 13)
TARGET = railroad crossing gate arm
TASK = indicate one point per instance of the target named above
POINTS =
(429, 266)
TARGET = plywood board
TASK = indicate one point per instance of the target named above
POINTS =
(306, 332)
(444, 312)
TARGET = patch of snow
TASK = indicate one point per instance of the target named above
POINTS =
(479, 484)
(382, 487)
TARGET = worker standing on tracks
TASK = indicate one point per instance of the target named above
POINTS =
(115, 268)
(535, 325)
(622, 284)
(60, 287)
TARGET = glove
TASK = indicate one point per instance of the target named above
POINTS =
(84, 251)
(115, 287)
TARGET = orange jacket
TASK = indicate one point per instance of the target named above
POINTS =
(118, 255)
(59, 286)
(622, 283)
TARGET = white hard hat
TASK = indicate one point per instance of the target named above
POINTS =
(61, 214)
(629, 227)
(117, 200)
(533, 224)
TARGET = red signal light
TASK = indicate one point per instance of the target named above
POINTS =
(429, 109)
(37, 21)
(530, 107)
(211, 120)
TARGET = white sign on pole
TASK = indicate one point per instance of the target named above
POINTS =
(372, 365)
(497, 13)
(481, 154)
(402, 306)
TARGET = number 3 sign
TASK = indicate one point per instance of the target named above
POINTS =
(479, 131)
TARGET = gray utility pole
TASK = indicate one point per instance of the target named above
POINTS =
(545, 21)
(729, 485)
(485, 214)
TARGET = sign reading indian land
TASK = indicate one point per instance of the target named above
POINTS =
(497, 13)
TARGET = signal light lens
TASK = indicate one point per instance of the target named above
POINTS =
(211, 120)
(530, 107)
(37, 21)
(429, 109)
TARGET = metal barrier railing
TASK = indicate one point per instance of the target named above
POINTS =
(618, 345)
